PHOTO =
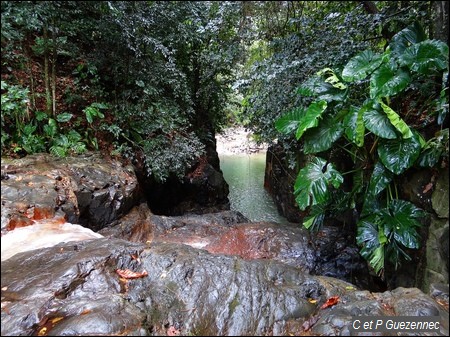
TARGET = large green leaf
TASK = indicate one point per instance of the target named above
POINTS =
(332, 78)
(322, 90)
(313, 182)
(433, 149)
(380, 179)
(354, 125)
(410, 35)
(372, 241)
(362, 65)
(311, 118)
(401, 222)
(321, 138)
(396, 121)
(388, 81)
(314, 221)
(289, 122)
(309, 87)
(378, 123)
(426, 57)
(64, 117)
(329, 93)
(397, 155)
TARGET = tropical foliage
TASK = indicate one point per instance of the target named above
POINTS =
(153, 81)
(380, 142)
(150, 78)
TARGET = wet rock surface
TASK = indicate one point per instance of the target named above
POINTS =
(210, 274)
(328, 252)
(88, 189)
(279, 181)
(76, 289)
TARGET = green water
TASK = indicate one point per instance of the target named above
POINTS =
(245, 177)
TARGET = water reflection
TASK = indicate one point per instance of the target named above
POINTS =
(244, 174)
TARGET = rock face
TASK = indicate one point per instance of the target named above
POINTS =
(88, 190)
(210, 274)
(427, 189)
(202, 190)
(88, 288)
(437, 252)
(279, 181)
(329, 252)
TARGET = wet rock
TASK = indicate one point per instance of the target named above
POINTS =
(279, 181)
(337, 320)
(328, 252)
(440, 292)
(75, 289)
(202, 190)
(440, 195)
(89, 189)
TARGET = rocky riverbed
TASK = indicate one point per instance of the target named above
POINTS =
(237, 140)
(146, 274)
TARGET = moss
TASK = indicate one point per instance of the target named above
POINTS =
(233, 304)
(205, 325)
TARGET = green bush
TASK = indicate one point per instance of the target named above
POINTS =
(379, 141)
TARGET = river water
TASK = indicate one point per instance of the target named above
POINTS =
(244, 174)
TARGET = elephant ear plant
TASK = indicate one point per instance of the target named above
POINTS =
(355, 111)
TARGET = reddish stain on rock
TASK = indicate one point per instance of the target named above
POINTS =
(40, 213)
(246, 242)
(17, 221)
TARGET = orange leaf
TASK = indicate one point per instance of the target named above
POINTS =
(128, 274)
(330, 302)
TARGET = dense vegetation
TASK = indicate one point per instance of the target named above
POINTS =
(145, 79)
(359, 96)
(360, 83)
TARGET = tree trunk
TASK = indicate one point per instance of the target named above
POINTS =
(371, 8)
(54, 57)
(440, 20)
(48, 98)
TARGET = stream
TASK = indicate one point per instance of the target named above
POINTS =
(244, 174)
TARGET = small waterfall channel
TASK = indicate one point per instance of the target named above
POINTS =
(243, 164)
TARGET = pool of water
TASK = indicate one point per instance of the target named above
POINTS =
(244, 174)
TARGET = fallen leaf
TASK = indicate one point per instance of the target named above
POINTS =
(330, 302)
(128, 274)
(311, 300)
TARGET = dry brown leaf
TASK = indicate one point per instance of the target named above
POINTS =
(128, 274)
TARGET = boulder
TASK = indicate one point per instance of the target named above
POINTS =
(329, 252)
(88, 189)
(115, 287)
